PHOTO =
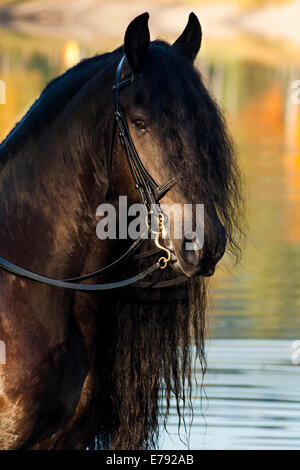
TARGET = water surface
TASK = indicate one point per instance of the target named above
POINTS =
(252, 399)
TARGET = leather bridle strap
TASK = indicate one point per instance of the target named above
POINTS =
(149, 191)
(110, 266)
(161, 284)
(21, 272)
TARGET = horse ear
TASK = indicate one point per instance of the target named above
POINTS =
(136, 42)
(190, 40)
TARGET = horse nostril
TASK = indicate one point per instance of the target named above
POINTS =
(191, 250)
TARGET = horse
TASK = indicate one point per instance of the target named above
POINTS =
(92, 370)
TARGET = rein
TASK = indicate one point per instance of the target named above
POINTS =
(150, 194)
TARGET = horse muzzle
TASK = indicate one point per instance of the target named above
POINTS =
(196, 260)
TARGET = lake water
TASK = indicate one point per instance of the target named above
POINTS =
(252, 398)
(252, 385)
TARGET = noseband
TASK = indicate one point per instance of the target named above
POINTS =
(150, 194)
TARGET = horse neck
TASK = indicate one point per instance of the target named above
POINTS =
(51, 186)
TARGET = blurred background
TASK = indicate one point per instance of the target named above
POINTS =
(250, 59)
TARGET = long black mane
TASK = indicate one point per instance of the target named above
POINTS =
(156, 338)
(191, 127)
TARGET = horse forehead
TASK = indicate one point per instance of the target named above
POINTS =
(139, 95)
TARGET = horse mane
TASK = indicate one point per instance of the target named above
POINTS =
(149, 342)
(188, 114)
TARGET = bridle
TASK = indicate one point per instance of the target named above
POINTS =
(149, 191)
(150, 194)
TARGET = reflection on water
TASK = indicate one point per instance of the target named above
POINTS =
(252, 387)
(252, 402)
(262, 299)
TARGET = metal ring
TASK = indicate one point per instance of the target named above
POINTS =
(163, 260)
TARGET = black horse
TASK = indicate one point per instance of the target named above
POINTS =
(93, 370)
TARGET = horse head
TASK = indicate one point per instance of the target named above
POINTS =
(179, 133)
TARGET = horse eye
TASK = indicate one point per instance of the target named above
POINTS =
(139, 124)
